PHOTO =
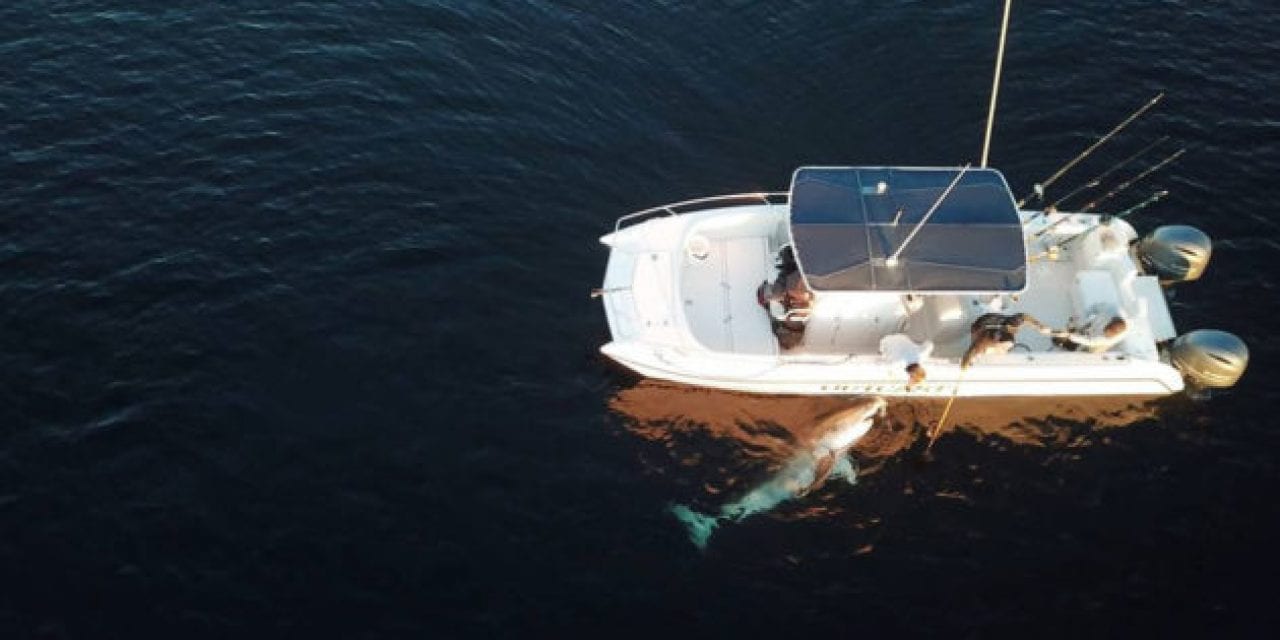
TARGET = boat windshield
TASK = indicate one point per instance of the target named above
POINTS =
(847, 221)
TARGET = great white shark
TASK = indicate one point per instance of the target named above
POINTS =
(807, 470)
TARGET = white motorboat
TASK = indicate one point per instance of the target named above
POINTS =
(899, 262)
(835, 285)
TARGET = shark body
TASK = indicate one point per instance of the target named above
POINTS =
(807, 470)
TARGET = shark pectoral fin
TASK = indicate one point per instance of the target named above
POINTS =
(844, 468)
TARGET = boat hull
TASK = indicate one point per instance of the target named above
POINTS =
(1011, 375)
(679, 295)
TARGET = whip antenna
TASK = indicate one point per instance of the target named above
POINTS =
(995, 83)
(1074, 161)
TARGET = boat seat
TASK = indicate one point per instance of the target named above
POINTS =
(719, 296)
(1094, 289)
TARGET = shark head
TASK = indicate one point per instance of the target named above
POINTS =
(843, 428)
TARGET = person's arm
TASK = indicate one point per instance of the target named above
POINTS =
(1085, 340)
(972, 353)
(1032, 322)
(1096, 342)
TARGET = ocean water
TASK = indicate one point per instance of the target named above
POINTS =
(295, 337)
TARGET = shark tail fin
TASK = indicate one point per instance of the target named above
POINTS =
(700, 525)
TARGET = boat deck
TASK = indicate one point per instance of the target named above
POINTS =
(718, 299)
(718, 296)
(857, 328)
(680, 295)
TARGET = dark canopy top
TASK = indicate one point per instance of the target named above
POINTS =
(842, 225)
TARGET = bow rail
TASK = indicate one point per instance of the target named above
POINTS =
(705, 204)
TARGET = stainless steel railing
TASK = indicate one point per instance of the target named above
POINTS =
(701, 204)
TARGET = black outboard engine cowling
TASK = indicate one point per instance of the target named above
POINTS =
(1175, 253)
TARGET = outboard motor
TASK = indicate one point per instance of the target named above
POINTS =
(1175, 253)
(1209, 358)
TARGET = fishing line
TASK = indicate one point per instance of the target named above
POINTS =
(937, 428)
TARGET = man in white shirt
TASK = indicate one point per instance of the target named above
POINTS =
(905, 355)
(1097, 333)
(993, 333)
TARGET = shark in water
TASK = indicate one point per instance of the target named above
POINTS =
(807, 470)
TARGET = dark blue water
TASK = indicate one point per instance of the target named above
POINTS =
(295, 337)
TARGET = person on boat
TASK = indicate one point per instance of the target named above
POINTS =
(1097, 333)
(915, 374)
(787, 299)
(905, 355)
(994, 333)
(789, 291)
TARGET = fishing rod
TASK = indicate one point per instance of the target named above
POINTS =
(596, 293)
(1113, 192)
(1105, 217)
(1041, 186)
(1097, 180)
(1052, 226)
(1154, 198)
(1140, 176)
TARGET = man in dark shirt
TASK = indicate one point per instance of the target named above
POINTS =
(787, 300)
(994, 333)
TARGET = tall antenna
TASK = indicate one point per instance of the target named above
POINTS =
(995, 83)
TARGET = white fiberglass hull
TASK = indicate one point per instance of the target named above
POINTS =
(1008, 375)
(679, 295)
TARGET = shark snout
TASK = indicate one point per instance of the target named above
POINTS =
(848, 425)
(881, 408)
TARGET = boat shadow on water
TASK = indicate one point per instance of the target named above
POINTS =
(718, 445)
